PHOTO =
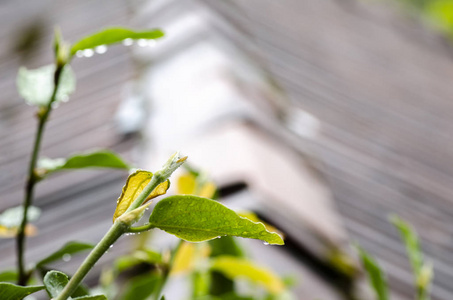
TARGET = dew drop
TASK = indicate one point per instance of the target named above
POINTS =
(142, 42)
(151, 43)
(88, 52)
(66, 257)
(266, 243)
(79, 53)
(55, 104)
(100, 49)
(128, 42)
(65, 98)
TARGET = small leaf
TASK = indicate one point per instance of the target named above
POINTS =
(197, 219)
(233, 268)
(12, 217)
(98, 159)
(114, 35)
(134, 186)
(411, 242)
(9, 291)
(55, 282)
(95, 297)
(423, 272)
(141, 287)
(69, 248)
(36, 86)
(375, 274)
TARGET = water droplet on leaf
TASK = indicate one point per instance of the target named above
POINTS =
(101, 49)
(128, 42)
(88, 52)
(66, 257)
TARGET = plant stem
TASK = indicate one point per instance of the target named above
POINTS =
(115, 232)
(32, 179)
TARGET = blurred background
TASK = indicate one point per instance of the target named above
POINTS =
(323, 117)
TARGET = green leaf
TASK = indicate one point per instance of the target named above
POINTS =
(423, 272)
(197, 219)
(375, 274)
(135, 184)
(95, 297)
(36, 86)
(98, 159)
(411, 242)
(113, 35)
(55, 282)
(69, 248)
(12, 217)
(141, 287)
(8, 276)
(234, 267)
(9, 291)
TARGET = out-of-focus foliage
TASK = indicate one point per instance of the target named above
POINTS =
(439, 13)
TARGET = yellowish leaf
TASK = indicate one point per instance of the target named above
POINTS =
(5, 232)
(189, 185)
(134, 186)
(234, 267)
(187, 256)
(183, 258)
(186, 184)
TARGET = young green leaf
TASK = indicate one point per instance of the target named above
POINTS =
(411, 242)
(55, 282)
(9, 291)
(135, 184)
(197, 219)
(422, 272)
(36, 86)
(113, 35)
(69, 248)
(98, 159)
(375, 274)
(234, 267)
(12, 217)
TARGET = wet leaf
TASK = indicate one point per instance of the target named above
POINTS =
(253, 217)
(98, 159)
(69, 248)
(113, 35)
(134, 186)
(55, 282)
(376, 276)
(234, 267)
(9, 291)
(12, 217)
(197, 219)
(36, 86)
